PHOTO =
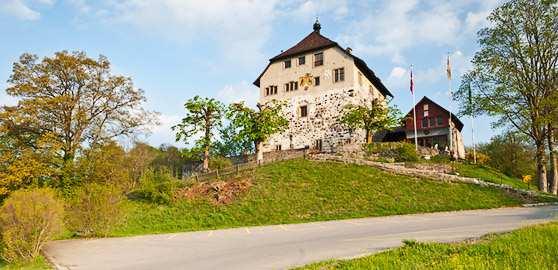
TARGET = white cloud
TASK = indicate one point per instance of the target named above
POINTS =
(239, 92)
(236, 27)
(19, 9)
(397, 27)
(309, 9)
(397, 73)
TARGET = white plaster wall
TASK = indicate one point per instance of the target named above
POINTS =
(325, 102)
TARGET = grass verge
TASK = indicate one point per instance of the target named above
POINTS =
(299, 191)
(528, 248)
(39, 263)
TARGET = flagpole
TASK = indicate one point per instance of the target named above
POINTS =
(473, 138)
(450, 107)
(414, 109)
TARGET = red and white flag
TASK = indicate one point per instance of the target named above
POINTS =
(412, 86)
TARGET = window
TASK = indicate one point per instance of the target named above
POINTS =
(316, 81)
(425, 107)
(440, 120)
(425, 122)
(278, 147)
(371, 89)
(338, 74)
(301, 60)
(271, 90)
(288, 63)
(303, 111)
(318, 59)
(432, 124)
(291, 86)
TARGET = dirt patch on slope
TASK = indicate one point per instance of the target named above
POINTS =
(218, 192)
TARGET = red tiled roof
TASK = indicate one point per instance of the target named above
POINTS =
(314, 41)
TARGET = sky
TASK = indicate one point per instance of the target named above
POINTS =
(176, 49)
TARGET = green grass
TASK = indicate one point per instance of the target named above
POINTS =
(529, 248)
(490, 175)
(38, 264)
(302, 191)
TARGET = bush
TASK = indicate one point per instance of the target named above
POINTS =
(95, 210)
(481, 157)
(218, 162)
(29, 218)
(400, 152)
(157, 187)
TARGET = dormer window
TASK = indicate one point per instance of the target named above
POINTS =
(288, 63)
(318, 59)
(301, 60)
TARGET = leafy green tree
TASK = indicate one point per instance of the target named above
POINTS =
(65, 103)
(511, 154)
(106, 165)
(372, 119)
(230, 144)
(257, 125)
(512, 72)
(203, 115)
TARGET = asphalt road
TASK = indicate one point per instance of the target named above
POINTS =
(286, 246)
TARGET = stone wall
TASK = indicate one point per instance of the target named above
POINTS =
(321, 123)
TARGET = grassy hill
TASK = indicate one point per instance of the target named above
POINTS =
(301, 191)
(491, 175)
(529, 248)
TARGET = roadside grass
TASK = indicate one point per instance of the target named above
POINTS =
(533, 247)
(39, 263)
(299, 191)
(491, 175)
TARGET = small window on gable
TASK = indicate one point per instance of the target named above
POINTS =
(338, 74)
(318, 59)
(425, 114)
(303, 111)
(301, 60)
(316, 81)
(425, 107)
(288, 63)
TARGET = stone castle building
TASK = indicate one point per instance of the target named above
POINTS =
(317, 78)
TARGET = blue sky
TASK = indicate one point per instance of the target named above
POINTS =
(176, 49)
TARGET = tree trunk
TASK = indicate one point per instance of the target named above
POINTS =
(259, 152)
(368, 136)
(541, 166)
(206, 159)
(553, 160)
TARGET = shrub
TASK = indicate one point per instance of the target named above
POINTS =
(481, 157)
(157, 187)
(95, 210)
(29, 218)
(400, 152)
(219, 162)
